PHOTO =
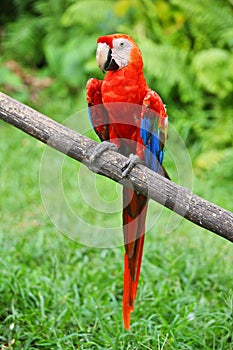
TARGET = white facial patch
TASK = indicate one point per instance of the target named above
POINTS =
(121, 51)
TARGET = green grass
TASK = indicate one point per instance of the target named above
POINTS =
(58, 294)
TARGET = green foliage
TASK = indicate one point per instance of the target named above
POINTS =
(76, 14)
(221, 82)
(187, 49)
(24, 39)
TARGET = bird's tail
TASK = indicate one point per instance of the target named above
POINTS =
(134, 217)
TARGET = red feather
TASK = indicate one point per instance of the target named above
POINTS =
(134, 215)
(105, 39)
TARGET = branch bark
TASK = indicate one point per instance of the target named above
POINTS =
(77, 146)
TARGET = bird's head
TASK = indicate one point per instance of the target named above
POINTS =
(117, 51)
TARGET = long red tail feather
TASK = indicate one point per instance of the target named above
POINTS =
(134, 215)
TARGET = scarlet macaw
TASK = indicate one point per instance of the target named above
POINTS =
(137, 127)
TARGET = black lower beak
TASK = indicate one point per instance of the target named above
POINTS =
(110, 64)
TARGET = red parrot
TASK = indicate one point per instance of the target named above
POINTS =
(132, 118)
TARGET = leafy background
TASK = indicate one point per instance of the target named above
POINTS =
(47, 54)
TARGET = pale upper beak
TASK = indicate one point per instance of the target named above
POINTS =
(102, 55)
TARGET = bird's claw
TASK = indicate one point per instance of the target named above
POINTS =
(99, 149)
(130, 164)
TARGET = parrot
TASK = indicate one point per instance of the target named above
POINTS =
(130, 118)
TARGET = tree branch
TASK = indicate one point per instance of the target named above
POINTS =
(77, 146)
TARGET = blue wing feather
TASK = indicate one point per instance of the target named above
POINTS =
(153, 129)
(153, 152)
(90, 116)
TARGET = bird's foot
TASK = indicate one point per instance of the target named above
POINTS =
(130, 164)
(99, 149)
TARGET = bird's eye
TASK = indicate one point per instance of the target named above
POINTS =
(121, 44)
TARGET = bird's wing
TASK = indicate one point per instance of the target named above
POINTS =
(96, 111)
(153, 130)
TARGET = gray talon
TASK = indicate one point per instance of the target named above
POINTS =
(100, 148)
(130, 164)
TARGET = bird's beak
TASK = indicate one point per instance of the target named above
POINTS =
(104, 58)
(102, 55)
